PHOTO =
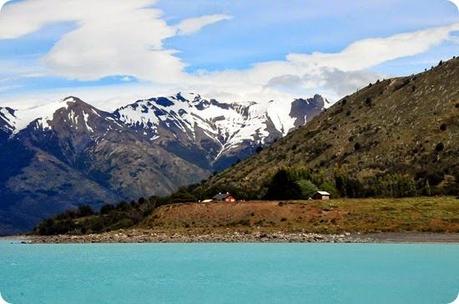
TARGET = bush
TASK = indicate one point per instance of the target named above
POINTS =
(307, 187)
(52, 227)
(440, 147)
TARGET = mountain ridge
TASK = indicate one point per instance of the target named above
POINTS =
(74, 153)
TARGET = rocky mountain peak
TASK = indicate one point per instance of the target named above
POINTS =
(305, 109)
(149, 147)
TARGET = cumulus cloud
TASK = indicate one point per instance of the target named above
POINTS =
(127, 39)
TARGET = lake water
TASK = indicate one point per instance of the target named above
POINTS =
(228, 273)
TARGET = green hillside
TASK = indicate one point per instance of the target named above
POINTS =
(397, 137)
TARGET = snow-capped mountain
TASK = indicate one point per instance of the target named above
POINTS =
(221, 129)
(69, 153)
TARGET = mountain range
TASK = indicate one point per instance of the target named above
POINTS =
(69, 153)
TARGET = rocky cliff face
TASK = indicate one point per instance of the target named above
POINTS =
(69, 153)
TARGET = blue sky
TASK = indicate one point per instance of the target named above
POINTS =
(55, 57)
(268, 30)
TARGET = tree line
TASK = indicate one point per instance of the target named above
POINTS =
(286, 184)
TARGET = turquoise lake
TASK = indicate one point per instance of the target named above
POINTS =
(228, 273)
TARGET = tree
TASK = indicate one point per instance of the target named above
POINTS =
(330, 188)
(106, 209)
(427, 189)
(307, 187)
(85, 210)
(340, 183)
(283, 187)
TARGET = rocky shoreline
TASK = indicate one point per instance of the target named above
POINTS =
(144, 236)
(231, 236)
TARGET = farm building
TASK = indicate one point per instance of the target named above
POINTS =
(224, 197)
(321, 195)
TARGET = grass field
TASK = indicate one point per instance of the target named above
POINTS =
(421, 214)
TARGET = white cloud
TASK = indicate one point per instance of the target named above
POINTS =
(318, 72)
(455, 2)
(193, 25)
(127, 38)
(111, 38)
(370, 52)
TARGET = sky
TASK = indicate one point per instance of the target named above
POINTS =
(111, 53)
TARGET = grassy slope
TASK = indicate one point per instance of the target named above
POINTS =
(393, 126)
(342, 215)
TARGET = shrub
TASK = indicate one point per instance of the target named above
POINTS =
(440, 147)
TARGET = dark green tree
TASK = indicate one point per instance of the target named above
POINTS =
(427, 190)
(283, 187)
(85, 210)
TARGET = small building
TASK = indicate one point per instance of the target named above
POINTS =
(321, 195)
(224, 197)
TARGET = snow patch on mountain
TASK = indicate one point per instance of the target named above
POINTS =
(8, 116)
(44, 113)
(230, 124)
